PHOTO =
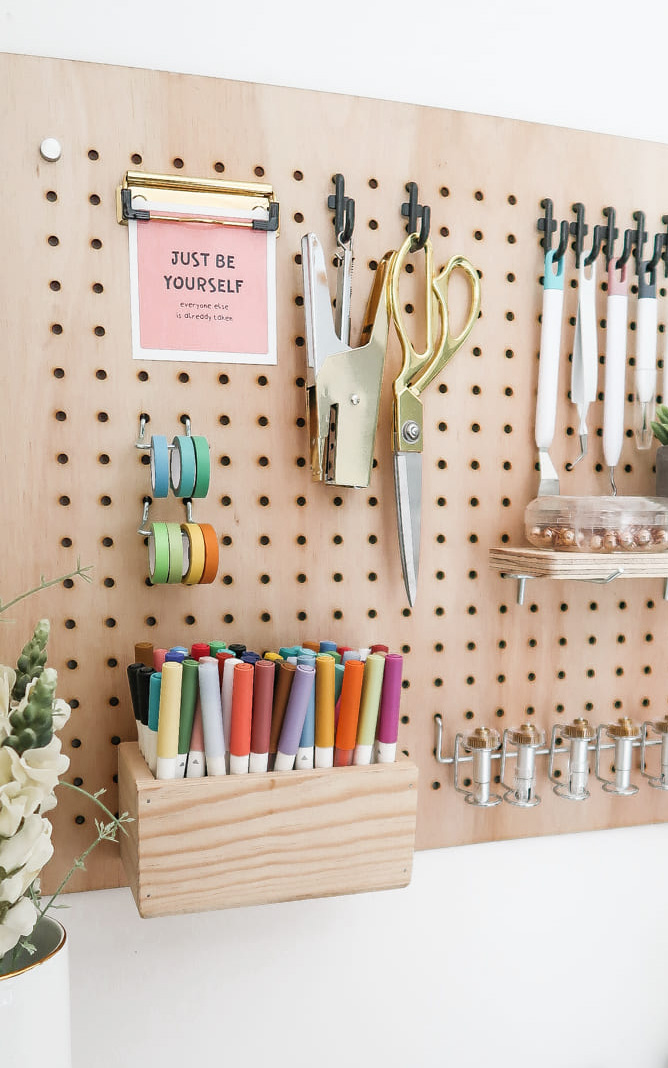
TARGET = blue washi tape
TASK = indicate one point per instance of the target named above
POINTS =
(159, 466)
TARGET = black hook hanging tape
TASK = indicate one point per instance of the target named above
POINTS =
(579, 230)
(657, 256)
(563, 241)
(414, 212)
(344, 210)
(547, 225)
(611, 235)
(664, 254)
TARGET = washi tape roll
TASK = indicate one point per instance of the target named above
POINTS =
(158, 553)
(175, 573)
(182, 468)
(202, 465)
(196, 552)
(211, 552)
(159, 466)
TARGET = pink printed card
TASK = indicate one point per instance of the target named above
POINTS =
(202, 292)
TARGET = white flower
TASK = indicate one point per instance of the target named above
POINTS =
(19, 921)
(23, 856)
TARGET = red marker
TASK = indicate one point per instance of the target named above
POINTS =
(263, 697)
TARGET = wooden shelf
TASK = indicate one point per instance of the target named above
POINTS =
(526, 563)
(222, 842)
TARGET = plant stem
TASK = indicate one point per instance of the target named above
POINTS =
(81, 572)
(116, 821)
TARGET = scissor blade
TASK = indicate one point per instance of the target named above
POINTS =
(408, 493)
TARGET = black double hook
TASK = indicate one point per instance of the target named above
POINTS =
(548, 224)
(414, 212)
(579, 230)
(611, 234)
(344, 210)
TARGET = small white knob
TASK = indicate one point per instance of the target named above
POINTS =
(50, 149)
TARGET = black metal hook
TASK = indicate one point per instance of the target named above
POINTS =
(414, 211)
(344, 210)
(651, 265)
(626, 251)
(596, 245)
(563, 241)
(664, 254)
(640, 234)
(547, 225)
(579, 230)
(610, 237)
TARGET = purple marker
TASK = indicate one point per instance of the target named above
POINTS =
(388, 717)
(295, 714)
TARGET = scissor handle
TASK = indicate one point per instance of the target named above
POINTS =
(448, 345)
(413, 362)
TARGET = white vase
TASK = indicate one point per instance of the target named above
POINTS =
(35, 1003)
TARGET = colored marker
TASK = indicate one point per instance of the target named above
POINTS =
(350, 654)
(338, 683)
(144, 653)
(237, 648)
(175, 656)
(273, 656)
(216, 647)
(289, 650)
(144, 685)
(133, 682)
(212, 716)
(284, 677)
(388, 718)
(263, 696)
(304, 758)
(187, 713)
(196, 768)
(242, 711)
(226, 697)
(346, 728)
(372, 686)
(327, 647)
(295, 714)
(168, 720)
(221, 657)
(200, 649)
(159, 658)
(313, 646)
(249, 657)
(364, 653)
(380, 649)
(153, 717)
(324, 711)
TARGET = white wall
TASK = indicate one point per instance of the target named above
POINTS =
(540, 953)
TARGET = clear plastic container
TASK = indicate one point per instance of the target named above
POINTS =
(598, 524)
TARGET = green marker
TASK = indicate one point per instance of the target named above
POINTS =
(186, 714)
(372, 686)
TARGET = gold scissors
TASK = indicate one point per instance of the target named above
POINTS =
(417, 371)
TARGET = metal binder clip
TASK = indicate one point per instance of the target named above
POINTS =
(343, 384)
(579, 733)
(527, 739)
(623, 733)
(660, 782)
(481, 743)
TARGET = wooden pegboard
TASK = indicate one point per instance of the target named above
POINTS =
(299, 559)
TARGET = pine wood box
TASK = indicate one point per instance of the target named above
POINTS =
(215, 843)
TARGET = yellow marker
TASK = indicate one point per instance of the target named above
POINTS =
(325, 666)
(273, 656)
(369, 705)
(168, 720)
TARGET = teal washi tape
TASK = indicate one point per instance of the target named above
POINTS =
(182, 466)
(202, 465)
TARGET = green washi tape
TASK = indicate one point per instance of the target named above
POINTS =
(175, 572)
(158, 553)
(182, 468)
(202, 465)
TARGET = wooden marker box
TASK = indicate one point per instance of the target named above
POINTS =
(216, 843)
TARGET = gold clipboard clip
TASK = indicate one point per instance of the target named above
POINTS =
(343, 384)
(199, 193)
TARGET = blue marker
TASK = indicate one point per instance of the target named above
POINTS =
(176, 655)
(155, 684)
(250, 657)
(305, 751)
(327, 647)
